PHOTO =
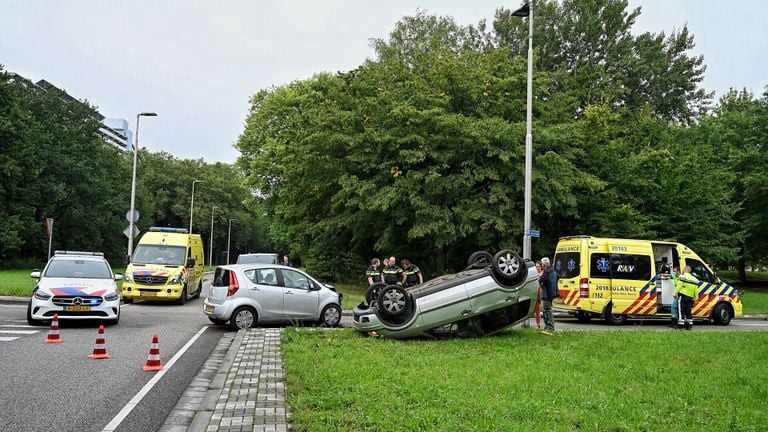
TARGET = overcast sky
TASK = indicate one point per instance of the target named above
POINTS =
(196, 63)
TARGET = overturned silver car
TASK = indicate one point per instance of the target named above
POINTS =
(490, 295)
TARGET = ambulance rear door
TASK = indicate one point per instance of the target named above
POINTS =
(567, 263)
(631, 273)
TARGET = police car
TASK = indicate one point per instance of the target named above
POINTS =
(75, 285)
(490, 295)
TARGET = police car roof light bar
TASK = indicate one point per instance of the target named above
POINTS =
(64, 252)
(171, 230)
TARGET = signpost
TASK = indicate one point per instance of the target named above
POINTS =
(131, 216)
(535, 233)
(49, 231)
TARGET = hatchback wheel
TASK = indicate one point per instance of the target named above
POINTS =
(508, 267)
(373, 291)
(479, 259)
(394, 301)
(242, 318)
(331, 316)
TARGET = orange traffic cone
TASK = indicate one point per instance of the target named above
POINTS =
(100, 350)
(153, 361)
(53, 333)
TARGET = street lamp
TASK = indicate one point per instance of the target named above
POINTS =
(229, 237)
(132, 225)
(527, 11)
(210, 250)
(192, 205)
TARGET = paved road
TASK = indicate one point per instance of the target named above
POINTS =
(57, 387)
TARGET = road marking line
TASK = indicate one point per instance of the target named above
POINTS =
(148, 386)
(7, 339)
(24, 332)
(13, 306)
(17, 326)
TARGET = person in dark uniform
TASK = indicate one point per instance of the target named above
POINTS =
(392, 273)
(411, 274)
(373, 273)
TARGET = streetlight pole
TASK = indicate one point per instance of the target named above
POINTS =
(132, 222)
(229, 238)
(210, 250)
(192, 205)
(527, 11)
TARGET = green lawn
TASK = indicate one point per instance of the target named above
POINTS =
(18, 283)
(755, 301)
(732, 276)
(525, 381)
(353, 295)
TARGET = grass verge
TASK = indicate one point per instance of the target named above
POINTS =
(733, 275)
(18, 283)
(755, 302)
(521, 380)
(353, 295)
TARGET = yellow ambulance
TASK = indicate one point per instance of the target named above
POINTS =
(616, 279)
(166, 265)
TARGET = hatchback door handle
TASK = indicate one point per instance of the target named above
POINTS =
(466, 311)
(289, 293)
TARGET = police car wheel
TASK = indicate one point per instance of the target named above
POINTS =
(373, 291)
(508, 266)
(31, 321)
(721, 314)
(480, 259)
(331, 316)
(394, 301)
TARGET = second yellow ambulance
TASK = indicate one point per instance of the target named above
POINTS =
(615, 279)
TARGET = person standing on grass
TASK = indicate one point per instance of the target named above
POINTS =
(411, 274)
(686, 289)
(537, 307)
(548, 282)
(373, 273)
(392, 273)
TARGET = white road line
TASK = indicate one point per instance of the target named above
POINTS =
(7, 339)
(13, 306)
(18, 326)
(148, 386)
(24, 332)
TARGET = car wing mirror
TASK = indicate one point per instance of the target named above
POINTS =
(35, 274)
(127, 260)
(190, 262)
(118, 276)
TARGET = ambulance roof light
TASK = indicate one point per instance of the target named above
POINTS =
(167, 229)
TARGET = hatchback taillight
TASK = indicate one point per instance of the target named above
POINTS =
(233, 285)
(584, 287)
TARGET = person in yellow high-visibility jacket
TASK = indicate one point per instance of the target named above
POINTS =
(686, 289)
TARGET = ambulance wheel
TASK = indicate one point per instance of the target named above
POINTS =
(127, 300)
(583, 317)
(722, 314)
(183, 297)
(373, 291)
(394, 301)
(615, 319)
(508, 267)
(199, 290)
(480, 259)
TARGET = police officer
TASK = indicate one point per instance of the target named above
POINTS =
(686, 288)
(373, 273)
(411, 274)
(392, 273)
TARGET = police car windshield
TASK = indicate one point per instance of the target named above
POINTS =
(158, 254)
(81, 269)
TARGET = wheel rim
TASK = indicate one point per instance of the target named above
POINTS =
(331, 315)
(394, 301)
(508, 264)
(244, 319)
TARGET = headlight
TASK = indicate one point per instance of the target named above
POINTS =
(174, 280)
(111, 296)
(41, 295)
(127, 278)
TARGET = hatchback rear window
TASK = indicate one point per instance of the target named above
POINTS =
(567, 265)
(221, 277)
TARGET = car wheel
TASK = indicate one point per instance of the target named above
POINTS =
(31, 321)
(199, 290)
(480, 259)
(508, 266)
(722, 314)
(127, 300)
(113, 321)
(373, 291)
(217, 321)
(394, 301)
(331, 316)
(183, 297)
(615, 319)
(583, 317)
(242, 318)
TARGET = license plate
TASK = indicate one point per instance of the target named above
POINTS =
(147, 293)
(77, 308)
(209, 308)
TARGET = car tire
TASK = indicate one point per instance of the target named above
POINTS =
(331, 316)
(373, 291)
(722, 314)
(113, 321)
(508, 267)
(480, 259)
(183, 297)
(217, 321)
(583, 317)
(394, 301)
(199, 290)
(242, 318)
(615, 319)
(31, 321)
(127, 300)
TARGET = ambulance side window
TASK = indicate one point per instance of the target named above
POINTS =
(630, 267)
(599, 266)
(700, 271)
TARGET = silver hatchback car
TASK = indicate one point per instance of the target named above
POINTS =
(492, 294)
(247, 294)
